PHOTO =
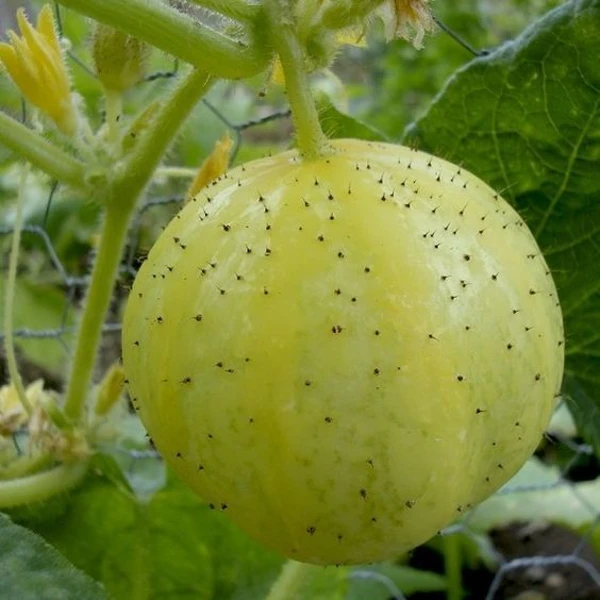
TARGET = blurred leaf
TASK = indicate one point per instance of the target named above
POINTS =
(526, 119)
(336, 124)
(243, 569)
(382, 582)
(38, 307)
(585, 411)
(537, 493)
(146, 550)
(33, 570)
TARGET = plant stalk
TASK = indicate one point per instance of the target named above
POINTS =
(9, 344)
(178, 34)
(120, 200)
(41, 486)
(309, 133)
(41, 153)
(240, 10)
(293, 577)
(452, 566)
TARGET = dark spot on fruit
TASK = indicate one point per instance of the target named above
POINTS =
(467, 328)
(453, 297)
(367, 269)
(307, 383)
(226, 227)
(136, 343)
(267, 251)
(532, 292)
(460, 378)
(159, 320)
(332, 217)
(444, 277)
(432, 337)
(330, 196)
(337, 291)
(211, 506)
(221, 291)
(186, 380)
(200, 467)
(376, 371)
(479, 411)
(370, 462)
(537, 376)
(409, 503)
(198, 317)
(467, 257)
(353, 299)
(363, 494)
(248, 250)
(321, 237)
(373, 520)
(340, 254)
(210, 436)
(219, 364)
(265, 291)
(178, 455)
(500, 466)
(336, 329)
(310, 530)
(328, 419)
(509, 346)
(340, 537)
(223, 506)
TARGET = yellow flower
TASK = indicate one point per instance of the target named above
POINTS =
(35, 63)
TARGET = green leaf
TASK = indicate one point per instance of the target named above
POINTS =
(381, 582)
(526, 119)
(142, 550)
(243, 569)
(336, 124)
(33, 570)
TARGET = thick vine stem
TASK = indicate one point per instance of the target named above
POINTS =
(240, 10)
(310, 136)
(453, 566)
(11, 359)
(41, 153)
(39, 487)
(120, 199)
(293, 577)
(164, 27)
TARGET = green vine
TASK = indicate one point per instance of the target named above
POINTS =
(178, 34)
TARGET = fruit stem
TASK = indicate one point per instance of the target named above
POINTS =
(309, 133)
(293, 577)
(41, 153)
(9, 345)
(178, 34)
(452, 566)
(120, 199)
(41, 486)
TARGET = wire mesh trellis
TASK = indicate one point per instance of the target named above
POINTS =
(576, 560)
(536, 567)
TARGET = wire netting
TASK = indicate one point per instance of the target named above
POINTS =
(542, 538)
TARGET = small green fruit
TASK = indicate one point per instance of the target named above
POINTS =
(345, 353)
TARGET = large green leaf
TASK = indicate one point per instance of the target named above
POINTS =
(143, 550)
(33, 570)
(526, 119)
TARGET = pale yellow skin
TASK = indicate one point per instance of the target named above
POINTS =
(376, 347)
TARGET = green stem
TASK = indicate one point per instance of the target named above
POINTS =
(453, 567)
(235, 9)
(304, 112)
(9, 345)
(41, 153)
(178, 34)
(293, 577)
(26, 465)
(39, 487)
(112, 240)
(120, 200)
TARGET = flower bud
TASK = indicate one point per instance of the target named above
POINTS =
(120, 60)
